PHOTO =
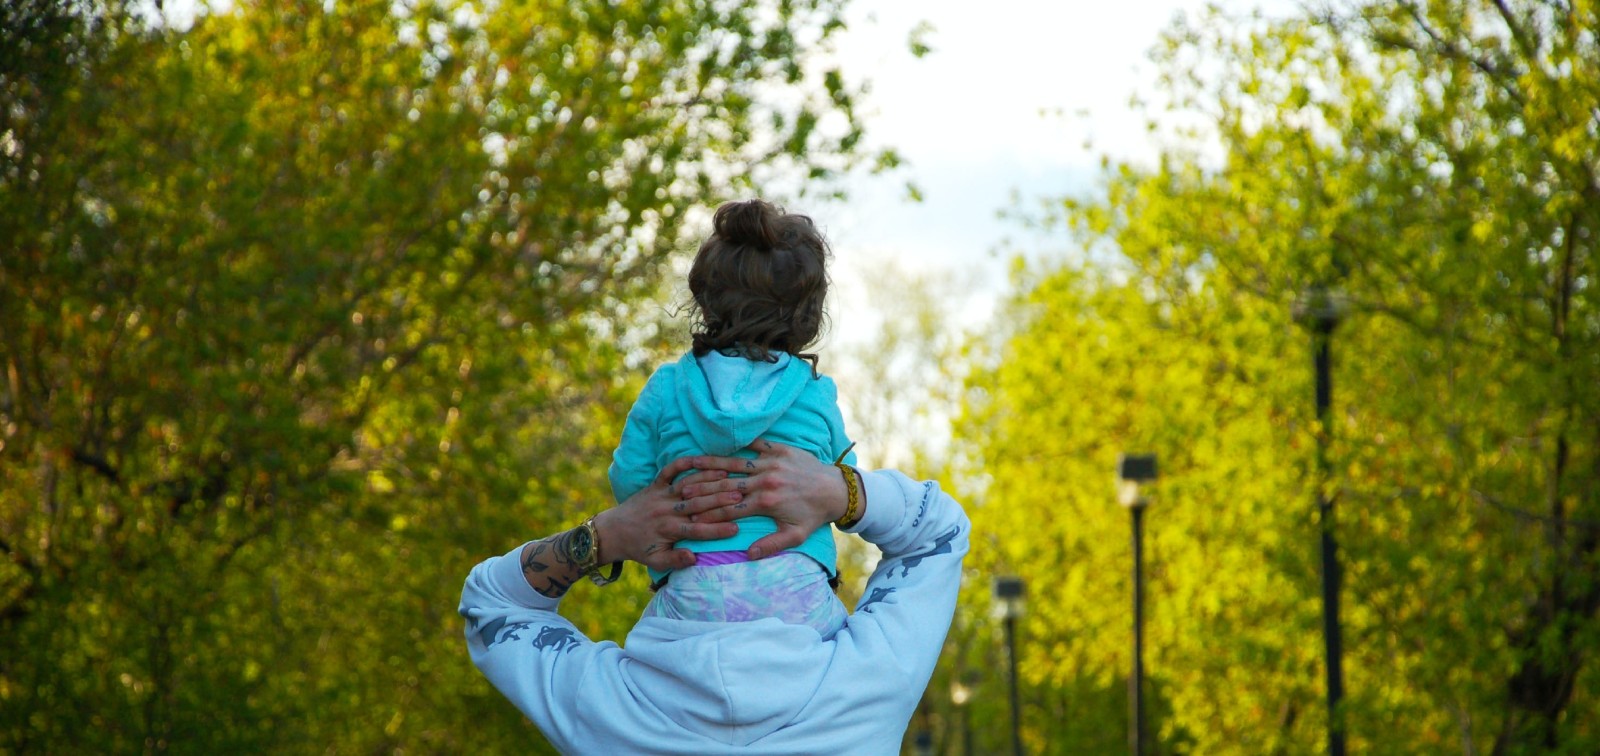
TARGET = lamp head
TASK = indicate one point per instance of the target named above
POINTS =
(1321, 307)
(1132, 470)
(960, 692)
(1008, 590)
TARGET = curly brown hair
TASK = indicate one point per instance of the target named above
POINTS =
(758, 283)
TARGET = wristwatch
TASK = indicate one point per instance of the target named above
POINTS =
(583, 550)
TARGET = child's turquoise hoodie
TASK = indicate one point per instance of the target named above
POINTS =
(720, 404)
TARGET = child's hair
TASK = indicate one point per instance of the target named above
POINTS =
(758, 283)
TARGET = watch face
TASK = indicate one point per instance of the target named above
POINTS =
(581, 546)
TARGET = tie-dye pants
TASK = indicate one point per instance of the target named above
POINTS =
(791, 587)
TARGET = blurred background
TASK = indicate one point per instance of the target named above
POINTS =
(308, 307)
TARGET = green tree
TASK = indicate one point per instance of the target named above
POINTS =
(1435, 163)
(306, 308)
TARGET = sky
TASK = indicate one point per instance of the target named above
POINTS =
(1017, 102)
(1016, 105)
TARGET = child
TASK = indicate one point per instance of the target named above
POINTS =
(758, 285)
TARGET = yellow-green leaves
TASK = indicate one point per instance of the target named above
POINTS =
(308, 307)
(1413, 157)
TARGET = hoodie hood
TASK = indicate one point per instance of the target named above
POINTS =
(732, 682)
(731, 401)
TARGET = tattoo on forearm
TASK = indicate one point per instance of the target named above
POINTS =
(555, 589)
(563, 550)
(547, 566)
(530, 559)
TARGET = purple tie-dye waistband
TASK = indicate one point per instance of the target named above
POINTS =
(714, 558)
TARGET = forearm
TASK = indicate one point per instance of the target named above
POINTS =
(548, 566)
(643, 529)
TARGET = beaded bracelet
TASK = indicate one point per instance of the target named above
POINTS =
(852, 488)
(850, 483)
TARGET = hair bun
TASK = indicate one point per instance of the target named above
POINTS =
(750, 222)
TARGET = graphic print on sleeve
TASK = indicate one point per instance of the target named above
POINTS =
(877, 595)
(555, 638)
(941, 545)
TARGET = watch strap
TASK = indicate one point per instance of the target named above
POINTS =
(614, 572)
(591, 566)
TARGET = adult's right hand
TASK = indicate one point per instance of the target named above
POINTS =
(795, 489)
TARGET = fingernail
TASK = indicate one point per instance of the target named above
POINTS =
(755, 553)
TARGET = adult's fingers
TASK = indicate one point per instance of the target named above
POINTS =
(765, 448)
(715, 485)
(674, 469)
(785, 538)
(670, 559)
(725, 464)
(697, 478)
(762, 447)
(695, 507)
(682, 530)
(734, 508)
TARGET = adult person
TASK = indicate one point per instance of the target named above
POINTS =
(757, 687)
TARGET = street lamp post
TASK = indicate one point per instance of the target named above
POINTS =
(1132, 470)
(1008, 602)
(961, 689)
(1322, 310)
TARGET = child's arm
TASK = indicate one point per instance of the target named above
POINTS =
(634, 465)
(840, 440)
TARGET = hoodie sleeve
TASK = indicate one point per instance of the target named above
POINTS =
(899, 625)
(531, 654)
(633, 465)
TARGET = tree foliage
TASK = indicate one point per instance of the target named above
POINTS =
(1436, 164)
(307, 308)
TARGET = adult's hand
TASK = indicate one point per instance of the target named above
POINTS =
(644, 528)
(794, 488)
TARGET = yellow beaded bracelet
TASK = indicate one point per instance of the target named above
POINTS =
(852, 489)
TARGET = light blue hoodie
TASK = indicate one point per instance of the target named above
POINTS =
(719, 405)
(749, 688)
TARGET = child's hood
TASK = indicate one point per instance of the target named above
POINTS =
(729, 402)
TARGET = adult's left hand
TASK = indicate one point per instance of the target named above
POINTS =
(644, 528)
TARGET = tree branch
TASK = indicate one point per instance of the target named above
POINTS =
(1505, 80)
(98, 464)
(1529, 49)
(1523, 514)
